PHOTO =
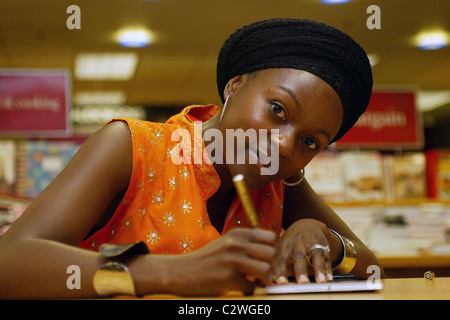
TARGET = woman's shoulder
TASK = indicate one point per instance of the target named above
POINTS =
(136, 124)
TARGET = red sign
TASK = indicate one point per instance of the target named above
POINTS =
(35, 102)
(391, 121)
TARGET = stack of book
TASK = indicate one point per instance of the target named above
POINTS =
(429, 226)
(361, 220)
(38, 163)
(325, 174)
(438, 174)
(7, 166)
(361, 176)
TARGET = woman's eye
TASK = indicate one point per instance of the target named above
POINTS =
(310, 143)
(279, 111)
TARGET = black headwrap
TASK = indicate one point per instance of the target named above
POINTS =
(305, 45)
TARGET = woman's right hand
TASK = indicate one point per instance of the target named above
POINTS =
(230, 263)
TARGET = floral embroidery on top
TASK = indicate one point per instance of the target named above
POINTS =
(141, 212)
(172, 183)
(94, 244)
(186, 245)
(185, 206)
(158, 198)
(127, 222)
(125, 202)
(274, 225)
(237, 220)
(153, 237)
(169, 152)
(113, 231)
(201, 221)
(158, 135)
(140, 187)
(184, 173)
(150, 174)
(169, 219)
(142, 149)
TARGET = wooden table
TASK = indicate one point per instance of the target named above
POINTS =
(394, 289)
(415, 266)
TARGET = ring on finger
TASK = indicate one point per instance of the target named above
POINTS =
(325, 249)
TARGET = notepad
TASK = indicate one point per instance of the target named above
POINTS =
(344, 286)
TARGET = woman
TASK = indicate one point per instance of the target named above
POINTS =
(305, 83)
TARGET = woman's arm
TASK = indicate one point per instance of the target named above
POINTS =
(39, 247)
(307, 214)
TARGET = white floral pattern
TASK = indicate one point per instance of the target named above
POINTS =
(153, 237)
(186, 245)
(158, 198)
(169, 219)
(185, 206)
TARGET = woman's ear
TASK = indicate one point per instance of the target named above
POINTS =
(232, 85)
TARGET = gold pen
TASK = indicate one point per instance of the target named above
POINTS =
(246, 200)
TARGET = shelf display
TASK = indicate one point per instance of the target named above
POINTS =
(39, 162)
(396, 203)
(325, 173)
(438, 174)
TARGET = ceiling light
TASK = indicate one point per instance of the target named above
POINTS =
(334, 1)
(134, 38)
(374, 59)
(430, 100)
(100, 97)
(432, 40)
(95, 114)
(105, 66)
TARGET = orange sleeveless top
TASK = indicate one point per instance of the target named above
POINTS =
(165, 203)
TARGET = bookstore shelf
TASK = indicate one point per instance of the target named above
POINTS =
(397, 203)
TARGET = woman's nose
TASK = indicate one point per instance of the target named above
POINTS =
(286, 143)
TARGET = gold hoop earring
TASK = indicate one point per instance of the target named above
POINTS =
(224, 107)
(293, 184)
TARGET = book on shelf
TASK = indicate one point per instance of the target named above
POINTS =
(363, 175)
(39, 162)
(7, 166)
(10, 210)
(326, 176)
(405, 176)
(438, 174)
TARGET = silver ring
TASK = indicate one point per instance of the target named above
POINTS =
(325, 249)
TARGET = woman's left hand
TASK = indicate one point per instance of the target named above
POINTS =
(304, 241)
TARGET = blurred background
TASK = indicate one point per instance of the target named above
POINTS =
(150, 59)
(177, 66)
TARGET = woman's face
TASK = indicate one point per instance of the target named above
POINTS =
(306, 111)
